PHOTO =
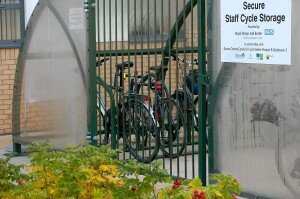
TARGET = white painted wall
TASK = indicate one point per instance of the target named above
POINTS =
(29, 7)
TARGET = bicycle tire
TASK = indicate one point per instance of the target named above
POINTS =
(149, 80)
(141, 134)
(172, 138)
(103, 127)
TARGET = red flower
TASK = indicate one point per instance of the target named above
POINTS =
(235, 180)
(133, 188)
(21, 182)
(177, 182)
(199, 194)
(175, 186)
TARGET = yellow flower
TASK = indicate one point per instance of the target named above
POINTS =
(34, 168)
(98, 179)
(109, 169)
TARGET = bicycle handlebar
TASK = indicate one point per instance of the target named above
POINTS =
(104, 60)
(130, 75)
(177, 58)
(100, 62)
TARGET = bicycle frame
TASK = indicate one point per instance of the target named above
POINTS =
(135, 111)
(163, 107)
(157, 87)
(101, 105)
(185, 91)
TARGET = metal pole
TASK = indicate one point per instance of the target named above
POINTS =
(92, 71)
(202, 92)
(213, 95)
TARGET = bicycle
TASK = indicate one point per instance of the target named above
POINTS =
(189, 88)
(135, 120)
(168, 113)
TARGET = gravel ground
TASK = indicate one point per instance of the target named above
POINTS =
(5, 141)
(6, 147)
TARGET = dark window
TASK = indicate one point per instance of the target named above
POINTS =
(142, 20)
(11, 23)
(153, 22)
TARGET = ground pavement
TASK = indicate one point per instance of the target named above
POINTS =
(6, 147)
(5, 141)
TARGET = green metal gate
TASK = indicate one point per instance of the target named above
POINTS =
(148, 81)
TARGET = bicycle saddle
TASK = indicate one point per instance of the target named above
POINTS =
(125, 64)
(158, 69)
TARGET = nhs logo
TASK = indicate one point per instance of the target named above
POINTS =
(269, 31)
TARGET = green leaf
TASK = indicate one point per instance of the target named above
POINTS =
(195, 183)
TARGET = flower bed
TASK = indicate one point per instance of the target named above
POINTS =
(85, 171)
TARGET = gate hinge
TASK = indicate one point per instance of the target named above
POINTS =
(205, 81)
(208, 89)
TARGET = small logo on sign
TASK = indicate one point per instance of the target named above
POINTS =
(259, 56)
(240, 56)
(250, 56)
(268, 56)
(269, 31)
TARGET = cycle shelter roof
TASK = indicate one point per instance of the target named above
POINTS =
(50, 96)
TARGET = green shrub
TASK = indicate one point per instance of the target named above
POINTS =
(86, 172)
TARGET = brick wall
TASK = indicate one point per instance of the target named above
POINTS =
(8, 60)
(35, 116)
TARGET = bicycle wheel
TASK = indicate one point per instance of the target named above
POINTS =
(141, 133)
(103, 127)
(172, 138)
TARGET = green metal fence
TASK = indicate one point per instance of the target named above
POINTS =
(148, 81)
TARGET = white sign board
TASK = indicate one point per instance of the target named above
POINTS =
(256, 31)
(76, 18)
